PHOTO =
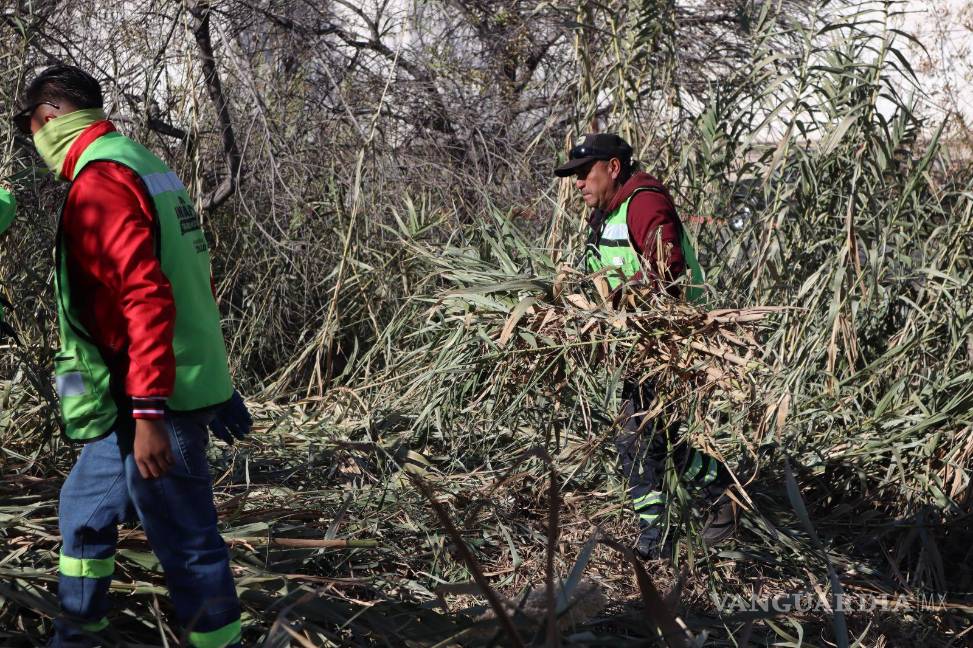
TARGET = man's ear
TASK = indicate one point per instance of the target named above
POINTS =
(614, 168)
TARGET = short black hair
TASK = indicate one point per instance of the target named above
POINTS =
(65, 83)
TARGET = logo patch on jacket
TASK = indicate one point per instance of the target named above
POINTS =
(188, 220)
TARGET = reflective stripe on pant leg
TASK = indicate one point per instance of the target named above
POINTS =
(644, 501)
(86, 567)
(649, 506)
(712, 470)
(219, 638)
(695, 465)
(651, 513)
(97, 626)
(83, 588)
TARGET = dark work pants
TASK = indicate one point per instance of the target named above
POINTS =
(643, 453)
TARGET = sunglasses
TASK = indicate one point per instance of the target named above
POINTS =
(582, 151)
(22, 119)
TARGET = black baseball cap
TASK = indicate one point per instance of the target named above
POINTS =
(594, 146)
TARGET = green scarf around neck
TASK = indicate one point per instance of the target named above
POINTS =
(54, 140)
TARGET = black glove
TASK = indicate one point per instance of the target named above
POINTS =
(5, 329)
(232, 421)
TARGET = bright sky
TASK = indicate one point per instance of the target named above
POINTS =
(945, 68)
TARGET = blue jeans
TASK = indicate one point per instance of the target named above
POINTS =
(177, 512)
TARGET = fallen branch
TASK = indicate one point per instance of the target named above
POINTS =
(290, 543)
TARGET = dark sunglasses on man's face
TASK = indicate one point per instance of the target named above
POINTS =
(22, 119)
(582, 151)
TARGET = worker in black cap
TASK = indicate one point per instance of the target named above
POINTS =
(631, 212)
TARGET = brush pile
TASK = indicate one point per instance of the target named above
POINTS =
(436, 397)
(649, 337)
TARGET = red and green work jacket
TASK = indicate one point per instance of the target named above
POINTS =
(110, 322)
(625, 238)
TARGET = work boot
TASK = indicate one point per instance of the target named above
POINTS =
(651, 545)
(720, 522)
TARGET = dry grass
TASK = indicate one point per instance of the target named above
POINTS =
(436, 385)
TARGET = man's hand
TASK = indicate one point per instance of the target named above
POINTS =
(153, 454)
(233, 421)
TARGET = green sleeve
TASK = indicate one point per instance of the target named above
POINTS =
(8, 206)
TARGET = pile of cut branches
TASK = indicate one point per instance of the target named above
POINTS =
(572, 339)
(649, 336)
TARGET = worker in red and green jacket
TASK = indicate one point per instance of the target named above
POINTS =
(142, 370)
(632, 214)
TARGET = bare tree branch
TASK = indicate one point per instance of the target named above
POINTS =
(200, 12)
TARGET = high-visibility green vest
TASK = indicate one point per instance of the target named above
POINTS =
(91, 398)
(615, 251)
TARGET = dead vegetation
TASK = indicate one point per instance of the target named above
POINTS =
(436, 395)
